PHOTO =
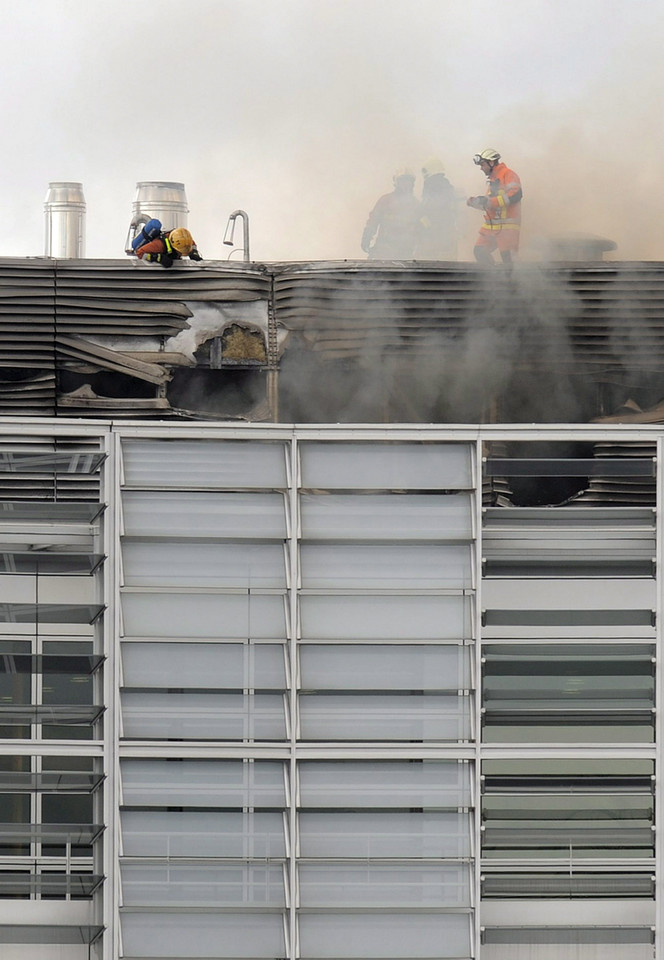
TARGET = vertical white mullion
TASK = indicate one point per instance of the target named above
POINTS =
(294, 532)
(477, 618)
(111, 787)
(659, 728)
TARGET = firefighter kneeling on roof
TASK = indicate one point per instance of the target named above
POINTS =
(169, 246)
(502, 209)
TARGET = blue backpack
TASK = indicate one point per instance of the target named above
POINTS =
(150, 231)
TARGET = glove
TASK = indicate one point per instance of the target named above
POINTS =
(166, 260)
(478, 203)
(195, 255)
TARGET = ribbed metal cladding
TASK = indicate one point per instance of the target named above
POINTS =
(590, 321)
(592, 315)
(103, 315)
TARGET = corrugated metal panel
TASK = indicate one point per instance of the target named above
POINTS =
(597, 315)
(592, 320)
(100, 316)
(620, 491)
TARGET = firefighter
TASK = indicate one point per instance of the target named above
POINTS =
(169, 246)
(502, 209)
(392, 228)
(437, 239)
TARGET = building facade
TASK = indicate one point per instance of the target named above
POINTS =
(329, 692)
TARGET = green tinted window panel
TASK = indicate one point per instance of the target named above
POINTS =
(48, 512)
(574, 936)
(74, 833)
(577, 618)
(48, 562)
(49, 933)
(529, 566)
(52, 781)
(544, 729)
(55, 713)
(71, 461)
(566, 886)
(596, 467)
(48, 885)
(622, 770)
(67, 665)
(578, 806)
(45, 613)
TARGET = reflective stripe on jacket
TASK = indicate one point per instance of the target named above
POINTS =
(157, 249)
(503, 209)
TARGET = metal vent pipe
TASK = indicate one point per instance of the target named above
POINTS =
(65, 221)
(162, 200)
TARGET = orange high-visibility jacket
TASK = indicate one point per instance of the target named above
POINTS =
(503, 209)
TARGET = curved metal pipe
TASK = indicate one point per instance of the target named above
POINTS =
(230, 230)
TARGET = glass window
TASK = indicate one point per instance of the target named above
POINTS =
(173, 935)
(384, 667)
(204, 463)
(396, 936)
(408, 717)
(578, 692)
(169, 563)
(378, 885)
(203, 884)
(203, 783)
(369, 566)
(222, 666)
(397, 516)
(228, 516)
(386, 466)
(350, 617)
(196, 833)
(385, 784)
(357, 834)
(203, 716)
(232, 616)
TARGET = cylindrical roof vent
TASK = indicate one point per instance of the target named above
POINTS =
(160, 200)
(65, 220)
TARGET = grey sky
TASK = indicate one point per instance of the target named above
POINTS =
(299, 111)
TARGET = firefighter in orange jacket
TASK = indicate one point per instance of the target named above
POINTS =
(502, 209)
(169, 246)
(393, 226)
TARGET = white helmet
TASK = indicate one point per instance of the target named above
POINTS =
(492, 156)
(432, 166)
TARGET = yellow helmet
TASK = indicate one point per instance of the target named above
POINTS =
(492, 156)
(403, 172)
(182, 241)
(434, 165)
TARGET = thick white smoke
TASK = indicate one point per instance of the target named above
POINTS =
(299, 112)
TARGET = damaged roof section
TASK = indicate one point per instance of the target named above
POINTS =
(351, 341)
(97, 337)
